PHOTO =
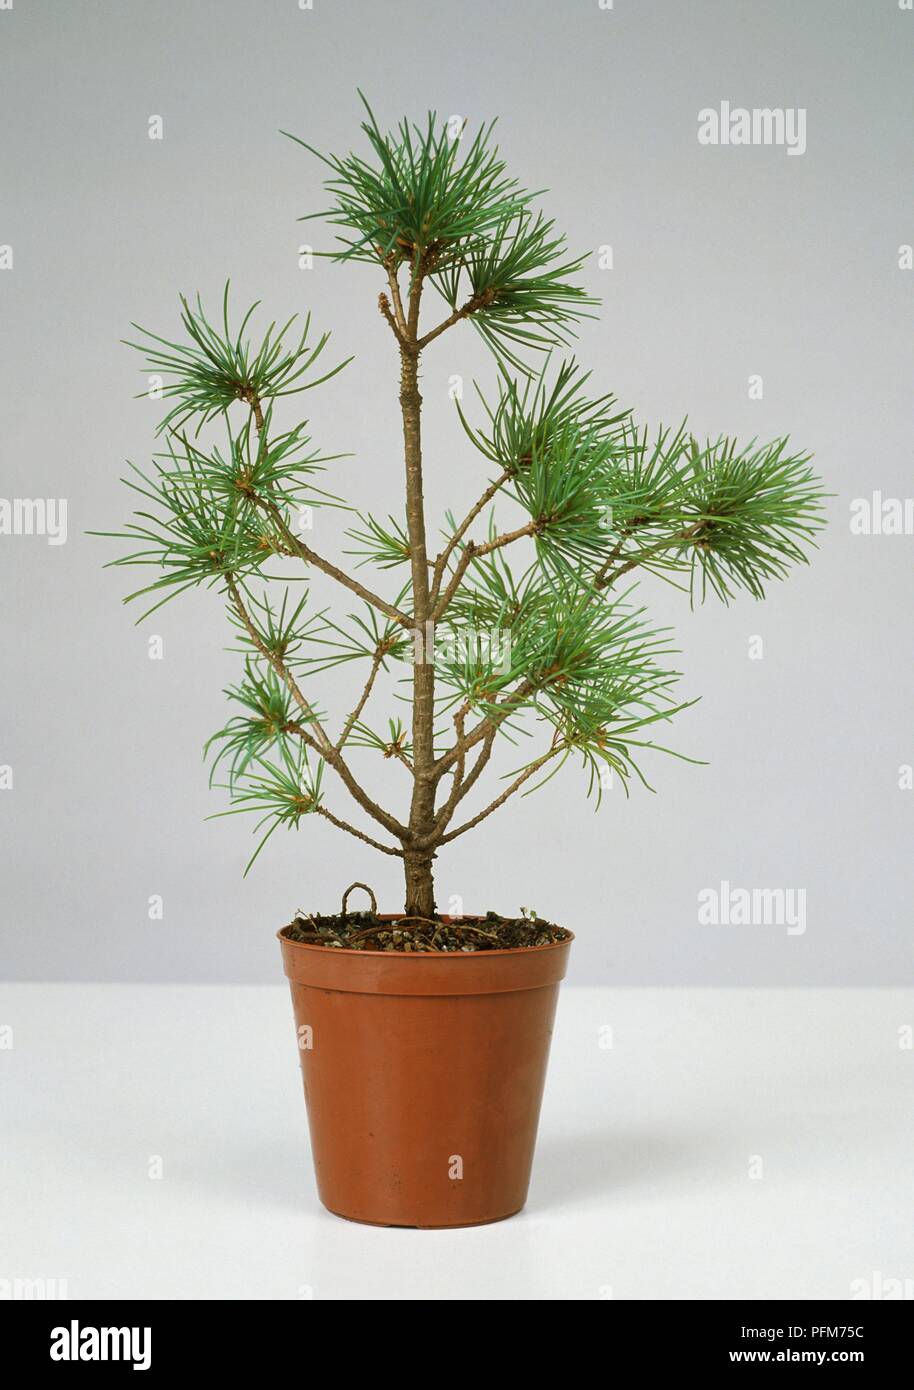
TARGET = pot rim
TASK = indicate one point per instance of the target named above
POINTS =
(340, 952)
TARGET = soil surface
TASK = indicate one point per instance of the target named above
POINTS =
(364, 931)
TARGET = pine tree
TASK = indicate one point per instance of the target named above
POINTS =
(556, 644)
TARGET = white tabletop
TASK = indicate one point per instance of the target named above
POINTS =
(729, 1143)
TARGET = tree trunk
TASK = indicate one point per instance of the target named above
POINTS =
(420, 891)
(420, 886)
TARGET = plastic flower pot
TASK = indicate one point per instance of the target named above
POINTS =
(423, 1077)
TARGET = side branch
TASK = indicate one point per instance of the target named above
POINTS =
(473, 304)
(606, 575)
(518, 782)
(313, 734)
(319, 741)
(471, 552)
(362, 701)
(359, 834)
(447, 810)
(335, 760)
(394, 283)
(304, 552)
(457, 537)
(396, 330)
(486, 726)
(461, 784)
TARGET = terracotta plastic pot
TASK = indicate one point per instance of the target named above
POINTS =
(423, 1077)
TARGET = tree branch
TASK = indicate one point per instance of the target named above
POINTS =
(485, 753)
(384, 306)
(334, 759)
(500, 800)
(441, 562)
(512, 701)
(304, 552)
(470, 552)
(359, 834)
(447, 810)
(394, 283)
(607, 576)
(473, 304)
(319, 740)
(462, 786)
(363, 699)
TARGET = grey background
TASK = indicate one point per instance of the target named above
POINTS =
(728, 262)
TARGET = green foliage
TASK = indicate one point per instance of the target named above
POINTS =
(464, 223)
(257, 466)
(518, 279)
(528, 415)
(552, 642)
(386, 547)
(284, 632)
(218, 367)
(217, 513)
(604, 496)
(416, 197)
(190, 532)
(753, 511)
(726, 515)
(566, 457)
(594, 672)
(397, 744)
(281, 793)
(249, 736)
(366, 633)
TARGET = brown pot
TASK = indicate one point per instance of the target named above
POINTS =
(423, 1077)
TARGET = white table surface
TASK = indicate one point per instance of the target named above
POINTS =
(643, 1186)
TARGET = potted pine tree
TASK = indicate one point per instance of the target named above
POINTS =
(424, 1038)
